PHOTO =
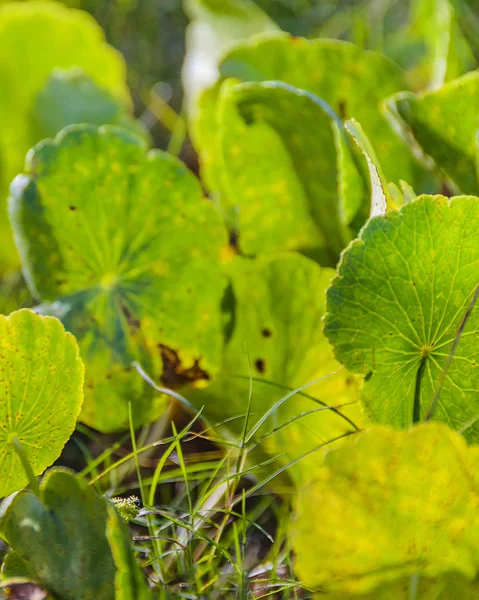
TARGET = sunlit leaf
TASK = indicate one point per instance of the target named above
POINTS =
(396, 308)
(125, 250)
(380, 198)
(353, 82)
(57, 37)
(444, 123)
(447, 52)
(390, 511)
(41, 380)
(279, 175)
(278, 303)
(214, 26)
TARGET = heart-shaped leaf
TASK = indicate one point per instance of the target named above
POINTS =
(396, 510)
(278, 303)
(397, 307)
(128, 250)
(41, 381)
(66, 38)
(61, 536)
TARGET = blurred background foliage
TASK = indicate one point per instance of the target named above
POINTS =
(151, 36)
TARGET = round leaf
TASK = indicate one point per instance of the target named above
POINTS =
(59, 37)
(392, 505)
(444, 123)
(281, 175)
(41, 380)
(353, 82)
(61, 536)
(214, 25)
(128, 250)
(394, 312)
(278, 303)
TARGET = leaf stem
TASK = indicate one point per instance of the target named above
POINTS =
(22, 455)
(414, 586)
(416, 412)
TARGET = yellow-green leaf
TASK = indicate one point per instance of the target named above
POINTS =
(444, 124)
(397, 306)
(214, 26)
(41, 381)
(353, 82)
(389, 511)
(277, 305)
(56, 36)
(122, 246)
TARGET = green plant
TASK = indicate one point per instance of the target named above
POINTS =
(327, 350)
(64, 38)
(41, 382)
(400, 522)
(125, 288)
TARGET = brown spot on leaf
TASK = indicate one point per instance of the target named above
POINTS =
(174, 374)
(260, 365)
(133, 322)
(266, 333)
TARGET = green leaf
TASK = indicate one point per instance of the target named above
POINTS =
(41, 380)
(393, 505)
(214, 26)
(353, 82)
(59, 37)
(395, 308)
(281, 172)
(70, 96)
(444, 124)
(61, 536)
(123, 245)
(412, 587)
(14, 566)
(380, 199)
(278, 303)
(447, 51)
(130, 581)
(352, 206)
